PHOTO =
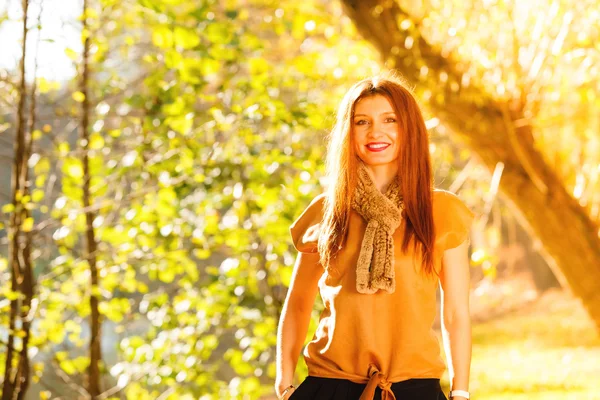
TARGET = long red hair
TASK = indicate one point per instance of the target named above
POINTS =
(414, 170)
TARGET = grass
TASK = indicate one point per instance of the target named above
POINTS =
(547, 349)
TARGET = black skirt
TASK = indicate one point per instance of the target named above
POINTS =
(319, 388)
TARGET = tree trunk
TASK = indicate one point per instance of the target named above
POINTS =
(497, 132)
(28, 285)
(16, 377)
(94, 374)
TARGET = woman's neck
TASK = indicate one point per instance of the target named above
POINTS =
(382, 175)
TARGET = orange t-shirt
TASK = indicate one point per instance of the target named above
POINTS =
(391, 331)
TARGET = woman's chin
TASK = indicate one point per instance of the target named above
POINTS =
(373, 161)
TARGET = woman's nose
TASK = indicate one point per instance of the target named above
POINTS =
(375, 130)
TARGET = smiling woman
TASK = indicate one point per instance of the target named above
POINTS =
(376, 246)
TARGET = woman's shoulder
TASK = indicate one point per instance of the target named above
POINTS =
(452, 216)
(445, 201)
(318, 200)
(443, 194)
(314, 209)
(305, 228)
(445, 198)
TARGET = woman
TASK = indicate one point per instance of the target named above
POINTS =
(376, 244)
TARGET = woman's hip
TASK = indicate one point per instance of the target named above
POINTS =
(319, 388)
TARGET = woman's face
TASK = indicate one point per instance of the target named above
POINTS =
(376, 130)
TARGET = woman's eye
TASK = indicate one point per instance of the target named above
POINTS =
(361, 122)
(390, 120)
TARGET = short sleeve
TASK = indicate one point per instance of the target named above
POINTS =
(454, 220)
(305, 229)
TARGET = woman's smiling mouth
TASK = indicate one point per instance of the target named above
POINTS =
(377, 146)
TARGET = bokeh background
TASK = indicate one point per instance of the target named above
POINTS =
(154, 153)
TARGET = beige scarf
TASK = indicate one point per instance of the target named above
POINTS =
(383, 213)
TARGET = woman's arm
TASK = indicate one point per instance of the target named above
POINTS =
(456, 322)
(295, 317)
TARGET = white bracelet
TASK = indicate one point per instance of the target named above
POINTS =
(286, 390)
(462, 393)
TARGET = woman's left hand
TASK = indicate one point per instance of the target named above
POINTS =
(288, 394)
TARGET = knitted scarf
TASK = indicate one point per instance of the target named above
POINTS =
(383, 213)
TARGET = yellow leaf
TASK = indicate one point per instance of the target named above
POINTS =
(202, 254)
(8, 208)
(96, 291)
(63, 148)
(181, 124)
(40, 180)
(68, 367)
(103, 307)
(210, 66)
(27, 225)
(67, 287)
(91, 13)
(12, 295)
(43, 85)
(78, 97)
(142, 287)
(74, 170)
(173, 59)
(186, 38)
(85, 33)
(61, 355)
(37, 195)
(96, 141)
(174, 108)
(258, 66)
(72, 54)
(162, 37)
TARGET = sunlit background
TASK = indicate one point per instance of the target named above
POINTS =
(200, 127)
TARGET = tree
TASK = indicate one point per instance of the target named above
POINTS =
(91, 247)
(17, 367)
